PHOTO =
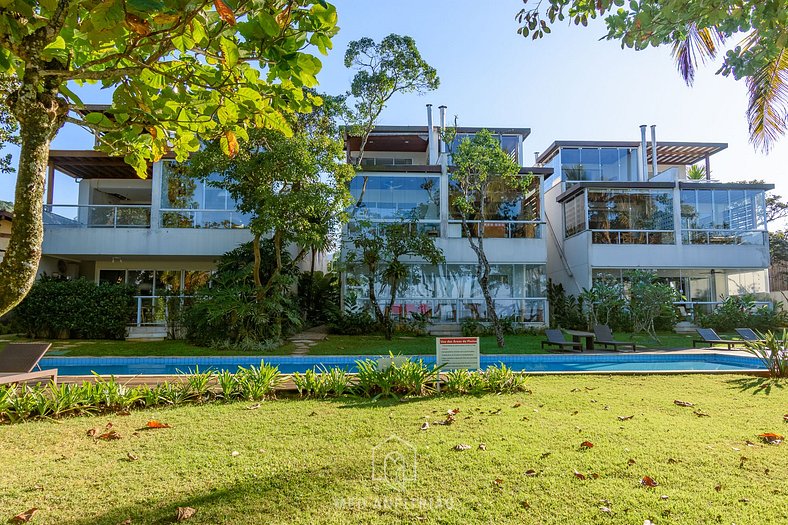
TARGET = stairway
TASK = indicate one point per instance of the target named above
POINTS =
(147, 333)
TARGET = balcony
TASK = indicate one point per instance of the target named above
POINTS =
(97, 216)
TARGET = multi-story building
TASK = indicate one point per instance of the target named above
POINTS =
(617, 206)
(406, 174)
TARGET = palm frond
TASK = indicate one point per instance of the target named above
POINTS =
(767, 113)
(698, 45)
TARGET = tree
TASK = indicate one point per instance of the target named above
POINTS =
(380, 249)
(295, 187)
(776, 207)
(180, 71)
(695, 30)
(383, 70)
(649, 299)
(479, 163)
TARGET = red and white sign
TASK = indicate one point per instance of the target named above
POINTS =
(457, 352)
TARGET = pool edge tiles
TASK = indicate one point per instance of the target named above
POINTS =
(652, 363)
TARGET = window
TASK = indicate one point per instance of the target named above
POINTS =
(388, 197)
(599, 164)
(509, 143)
(574, 216)
(385, 161)
(719, 216)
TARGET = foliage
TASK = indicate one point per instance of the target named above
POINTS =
(606, 303)
(650, 302)
(480, 162)
(695, 30)
(75, 308)
(379, 249)
(565, 310)
(496, 380)
(416, 324)
(229, 313)
(741, 311)
(773, 352)
(382, 70)
(476, 328)
(353, 323)
(179, 72)
(323, 382)
(696, 173)
(318, 296)
(396, 376)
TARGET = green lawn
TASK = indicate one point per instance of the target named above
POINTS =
(336, 345)
(311, 461)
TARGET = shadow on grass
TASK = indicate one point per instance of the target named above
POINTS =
(758, 385)
(288, 495)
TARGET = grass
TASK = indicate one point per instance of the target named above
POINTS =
(311, 461)
(336, 345)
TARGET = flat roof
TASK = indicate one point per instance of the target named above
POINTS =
(91, 164)
(415, 138)
(683, 153)
(579, 187)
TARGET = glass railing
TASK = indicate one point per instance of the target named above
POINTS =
(208, 219)
(692, 308)
(97, 216)
(502, 229)
(520, 310)
(735, 237)
(633, 237)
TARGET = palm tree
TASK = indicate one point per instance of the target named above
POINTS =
(767, 112)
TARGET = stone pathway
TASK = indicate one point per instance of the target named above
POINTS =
(307, 339)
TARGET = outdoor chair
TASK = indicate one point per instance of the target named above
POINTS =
(604, 336)
(710, 337)
(749, 335)
(556, 338)
(17, 361)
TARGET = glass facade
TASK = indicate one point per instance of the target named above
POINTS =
(190, 203)
(599, 164)
(393, 197)
(631, 216)
(451, 292)
(575, 215)
(509, 143)
(719, 216)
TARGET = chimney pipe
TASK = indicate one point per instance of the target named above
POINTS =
(536, 158)
(643, 154)
(430, 131)
(654, 149)
(442, 110)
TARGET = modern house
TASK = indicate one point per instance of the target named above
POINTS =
(617, 206)
(407, 175)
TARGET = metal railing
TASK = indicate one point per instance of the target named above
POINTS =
(208, 219)
(96, 216)
(522, 310)
(633, 237)
(738, 237)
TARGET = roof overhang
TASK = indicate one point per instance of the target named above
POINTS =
(89, 164)
(580, 187)
(6, 215)
(682, 153)
(703, 185)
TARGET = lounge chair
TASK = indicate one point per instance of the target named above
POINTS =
(556, 338)
(604, 336)
(710, 337)
(17, 361)
(749, 335)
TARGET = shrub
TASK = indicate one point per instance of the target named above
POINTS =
(494, 380)
(772, 352)
(651, 303)
(510, 326)
(323, 382)
(75, 308)
(741, 311)
(416, 324)
(566, 311)
(318, 297)
(399, 377)
(606, 303)
(353, 323)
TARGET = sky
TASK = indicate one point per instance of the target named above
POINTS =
(568, 86)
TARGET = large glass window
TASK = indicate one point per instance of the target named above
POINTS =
(718, 216)
(387, 197)
(599, 164)
(509, 143)
(575, 215)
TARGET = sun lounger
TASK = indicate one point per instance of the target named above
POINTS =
(18, 361)
(556, 338)
(749, 335)
(710, 337)
(604, 336)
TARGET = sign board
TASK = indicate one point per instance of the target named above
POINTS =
(457, 352)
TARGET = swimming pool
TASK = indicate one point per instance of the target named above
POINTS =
(536, 363)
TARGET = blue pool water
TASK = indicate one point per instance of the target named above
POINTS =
(69, 366)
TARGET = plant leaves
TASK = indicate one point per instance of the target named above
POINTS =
(112, 435)
(771, 438)
(137, 24)
(482, 446)
(156, 424)
(225, 13)
(579, 475)
(700, 414)
(680, 403)
(184, 513)
(585, 445)
(648, 482)
(24, 517)
(625, 418)
(460, 447)
(531, 473)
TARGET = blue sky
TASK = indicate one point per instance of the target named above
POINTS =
(568, 86)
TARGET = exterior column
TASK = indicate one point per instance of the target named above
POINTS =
(155, 195)
(677, 213)
(50, 185)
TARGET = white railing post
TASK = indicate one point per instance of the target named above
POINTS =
(139, 311)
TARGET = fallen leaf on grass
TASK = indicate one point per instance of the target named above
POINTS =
(672, 461)
(235, 453)
(575, 390)
(683, 403)
(132, 457)
(112, 435)
(462, 446)
(545, 454)
(605, 509)
(771, 438)
(156, 424)
(453, 411)
(127, 521)
(648, 482)
(123, 413)
(184, 513)
(700, 414)
(664, 497)
(531, 473)
(425, 426)
(749, 443)
(524, 504)
(785, 418)
(630, 462)
(254, 407)
(744, 500)
(517, 405)
(498, 482)
(24, 517)
(625, 418)
(578, 475)
(585, 445)
(718, 487)
(482, 446)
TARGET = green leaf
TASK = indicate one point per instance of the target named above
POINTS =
(98, 118)
(229, 52)
(145, 6)
(268, 23)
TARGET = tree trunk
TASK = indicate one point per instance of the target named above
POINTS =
(389, 324)
(373, 298)
(40, 115)
(257, 261)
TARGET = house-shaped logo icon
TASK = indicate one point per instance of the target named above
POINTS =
(394, 460)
